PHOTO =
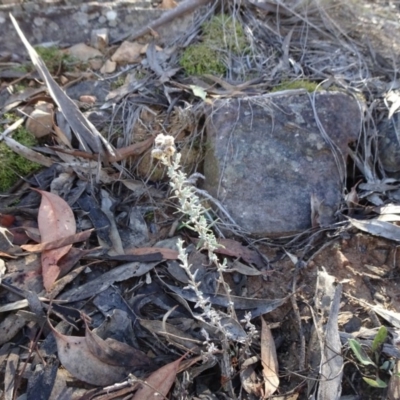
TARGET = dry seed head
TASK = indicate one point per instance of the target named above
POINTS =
(157, 153)
(164, 146)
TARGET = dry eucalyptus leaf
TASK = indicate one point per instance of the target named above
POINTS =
(75, 355)
(173, 334)
(116, 353)
(55, 244)
(97, 285)
(10, 374)
(394, 383)
(10, 326)
(167, 4)
(377, 228)
(56, 221)
(249, 379)
(89, 137)
(159, 383)
(269, 360)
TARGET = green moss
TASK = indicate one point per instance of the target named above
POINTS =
(54, 57)
(13, 165)
(199, 59)
(118, 82)
(221, 35)
(24, 68)
(224, 32)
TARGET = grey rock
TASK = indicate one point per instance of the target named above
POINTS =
(266, 158)
(99, 89)
(68, 22)
(389, 145)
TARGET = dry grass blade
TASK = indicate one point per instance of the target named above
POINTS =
(269, 360)
(11, 374)
(330, 386)
(27, 153)
(327, 302)
(378, 228)
(394, 383)
(88, 136)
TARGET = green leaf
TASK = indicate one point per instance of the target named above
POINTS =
(378, 383)
(360, 353)
(198, 91)
(379, 339)
(386, 366)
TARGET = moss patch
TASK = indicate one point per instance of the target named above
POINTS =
(13, 165)
(199, 59)
(53, 57)
(221, 35)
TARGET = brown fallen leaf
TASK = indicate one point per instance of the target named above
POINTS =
(167, 4)
(269, 360)
(2, 254)
(56, 221)
(132, 150)
(76, 357)
(55, 244)
(249, 379)
(19, 236)
(159, 383)
(6, 220)
(235, 249)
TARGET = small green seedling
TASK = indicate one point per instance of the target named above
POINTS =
(372, 356)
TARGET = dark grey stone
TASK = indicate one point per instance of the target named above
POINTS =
(389, 145)
(266, 157)
(99, 89)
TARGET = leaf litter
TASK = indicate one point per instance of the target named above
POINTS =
(101, 218)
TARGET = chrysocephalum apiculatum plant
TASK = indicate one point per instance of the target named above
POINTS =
(191, 206)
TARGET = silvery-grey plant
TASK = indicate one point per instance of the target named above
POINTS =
(191, 206)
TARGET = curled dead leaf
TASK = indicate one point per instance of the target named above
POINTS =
(116, 353)
(56, 221)
(159, 383)
(269, 360)
(76, 357)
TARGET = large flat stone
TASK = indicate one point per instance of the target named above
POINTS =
(267, 157)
